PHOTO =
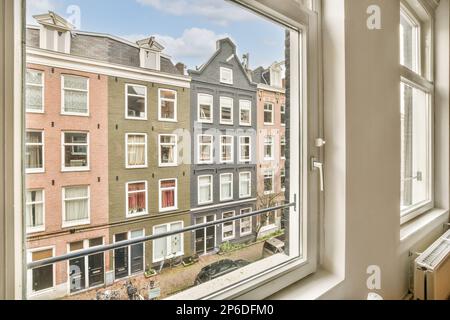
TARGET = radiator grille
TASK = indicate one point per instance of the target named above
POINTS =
(436, 254)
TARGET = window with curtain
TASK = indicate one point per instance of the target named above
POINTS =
(34, 153)
(35, 203)
(268, 114)
(137, 198)
(76, 205)
(168, 150)
(167, 105)
(205, 189)
(75, 93)
(226, 110)
(205, 108)
(245, 188)
(136, 102)
(228, 228)
(246, 227)
(205, 145)
(75, 151)
(244, 149)
(226, 187)
(227, 146)
(168, 194)
(34, 97)
(136, 150)
(268, 148)
(245, 110)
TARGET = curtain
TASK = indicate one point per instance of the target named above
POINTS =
(205, 190)
(34, 153)
(136, 200)
(35, 209)
(136, 150)
(75, 101)
(226, 187)
(76, 203)
(168, 196)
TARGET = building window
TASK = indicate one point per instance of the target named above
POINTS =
(167, 105)
(35, 211)
(34, 154)
(245, 113)
(76, 206)
(75, 148)
(169, 247)
(269, 182)
(168, 195)
(226, 149)
(283, 115)
(245, 149)
(266, 221)
(268, 114)
(136, 154)
(41, 279)
(226, 111)
(283, 179)
(205, 190)
(205, 149)
(409, 41)
(226, 75)
(137, 199)
(136, 102)
(283, 147)
(129, 260)
(246, 223)
(245, 185)
(205, 108)
(226, 187)
(168, 156)
(75, 95)
(228, 228)
(269, 148)
(34, 97)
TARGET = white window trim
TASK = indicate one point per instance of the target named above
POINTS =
(232, 184)
(42, 86)
(130, 216)
(244, 234)
(234, 227)
(66, 224)
(272, 148)
(241, 195)
(417, 43)
(175, 101)
(31, 230)
(273, 181)
(63, 88)
(272, 114)
(129, 256)
(38, 170)
(169, 228)
(175, 151)
(63, 160)
(31, 293)
(240, 149)
(145, 165)
(283, 111)
(127, 117)
(211, 187)
(211, 153)
(199, 119)
(222, 121)
(160, 190)
(283, 189)
(249, 109)
(222, 70)
(283, 142)
(226, 144)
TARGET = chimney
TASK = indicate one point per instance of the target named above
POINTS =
(181, 68)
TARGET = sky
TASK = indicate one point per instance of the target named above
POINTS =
(188, 29)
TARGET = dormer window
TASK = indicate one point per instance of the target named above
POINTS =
(150, 54)
(275, 76)
(226, 75)
(55, 32)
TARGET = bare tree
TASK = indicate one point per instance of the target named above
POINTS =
(265, 201)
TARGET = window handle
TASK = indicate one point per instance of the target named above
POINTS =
(418, 177)
(317, 165)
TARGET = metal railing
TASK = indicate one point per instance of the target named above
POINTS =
(123, 244)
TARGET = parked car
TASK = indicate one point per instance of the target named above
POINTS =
(218, 269)
(272, 247)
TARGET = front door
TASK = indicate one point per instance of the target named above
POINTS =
(205, 239)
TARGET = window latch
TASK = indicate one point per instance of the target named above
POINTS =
(317, 165)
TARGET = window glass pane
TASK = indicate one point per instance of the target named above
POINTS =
(34, 153)
(76, 202)
(35, 208)
(76, 150)
(136, 101)
(137, 198)
(409, 42)
(167, 104)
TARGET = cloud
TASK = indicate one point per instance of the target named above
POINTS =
(195, 45)
(219, 12)
(38, 7)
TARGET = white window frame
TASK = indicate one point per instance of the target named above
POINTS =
(222, 183)
(243, 106)
(272, 148)
(222, 121)
(64, 144)
(42, 144)
(249, 149)
(247, 195)
(283, 143)
(160, 190)
(41, 228)
(42, 86)
(200, 144)
(127, 144)
(266, 174)
(63, 89)
(211, 105)
(417, 41)
(127, 117)
(211, 187)
(127, 214)
(244, 234)
(283, 112)
(224, 239)
(169, 243)
(30, 292)
(67, 224)
(175, 151)
(224, 70)
(267, 103)
(222, 145)
(175, 101)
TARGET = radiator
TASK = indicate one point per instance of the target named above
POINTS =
(432, 271)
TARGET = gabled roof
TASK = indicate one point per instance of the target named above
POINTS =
(54, 20)
(151, 44)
